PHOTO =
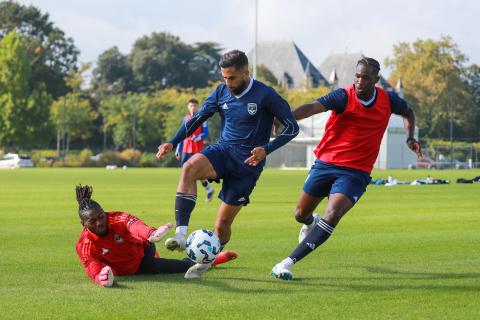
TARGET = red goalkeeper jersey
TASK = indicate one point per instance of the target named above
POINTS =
(122, 248)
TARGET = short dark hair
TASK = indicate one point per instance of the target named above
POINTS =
(235, 58)
(193, 100)
(370, 62)
(85, 203)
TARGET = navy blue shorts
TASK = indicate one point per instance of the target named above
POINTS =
(325, 179)
(239, 179)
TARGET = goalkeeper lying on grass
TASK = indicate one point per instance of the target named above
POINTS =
(118, 243)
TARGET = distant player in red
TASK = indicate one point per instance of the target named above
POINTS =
(118, 243)
(345, 155)
(194, 144)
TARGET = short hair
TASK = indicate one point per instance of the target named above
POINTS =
(193, 100)
(235, 58)
(85, 203)
(370, 62)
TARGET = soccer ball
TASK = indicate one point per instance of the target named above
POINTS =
(203, 246)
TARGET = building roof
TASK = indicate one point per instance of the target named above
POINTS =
(342, 66)
(288, 63)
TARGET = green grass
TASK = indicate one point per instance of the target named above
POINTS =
(405, 252)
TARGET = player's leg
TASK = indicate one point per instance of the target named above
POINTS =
(345, 191)
(338, 206)
(196, 168)
(223, 225)
(304, 213)
(225, 216)
(151, 264)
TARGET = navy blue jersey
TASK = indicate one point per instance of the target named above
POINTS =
(337, 101)
(247, 119)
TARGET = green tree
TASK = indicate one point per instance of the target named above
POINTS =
(72, 114)
(55, 54)
(24, 106)
(112, 74)
(162, 60)
(433, 74)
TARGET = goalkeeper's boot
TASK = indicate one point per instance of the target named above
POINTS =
(306, 229)
(177, 242)
(197, 270)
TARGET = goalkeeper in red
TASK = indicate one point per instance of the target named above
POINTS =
(118, 243)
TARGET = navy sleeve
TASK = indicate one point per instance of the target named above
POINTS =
(398, 105)
(281, 110)
(335, 100)
(207, 110)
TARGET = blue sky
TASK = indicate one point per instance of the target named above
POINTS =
(318, 27)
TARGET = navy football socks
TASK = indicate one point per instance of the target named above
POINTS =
(320, 233)
(184, 204)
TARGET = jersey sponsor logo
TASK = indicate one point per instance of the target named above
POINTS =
(104, 250)
(252, 108)
(118, 239)
(225, 107)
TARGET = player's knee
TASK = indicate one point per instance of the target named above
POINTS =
(189, 171)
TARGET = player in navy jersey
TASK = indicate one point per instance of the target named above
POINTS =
(345, 155)
(247, 108)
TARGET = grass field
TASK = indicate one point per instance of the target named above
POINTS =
(405, 252)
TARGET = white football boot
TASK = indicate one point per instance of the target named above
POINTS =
(197, 270)
(177, 242)
(280, 271)
(306, 229)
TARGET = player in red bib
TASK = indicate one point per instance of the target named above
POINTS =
(118, 243)
(345, 155)
(193, 144)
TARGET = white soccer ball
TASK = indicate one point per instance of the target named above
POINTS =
(203, 246)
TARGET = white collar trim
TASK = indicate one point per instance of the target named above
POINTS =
(250, 84)
(366, 103)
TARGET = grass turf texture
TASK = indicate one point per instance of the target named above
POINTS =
(405, 252)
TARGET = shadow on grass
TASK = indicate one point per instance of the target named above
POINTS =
(229, 284)
(416, 281)
(420, 275)
(268, 285)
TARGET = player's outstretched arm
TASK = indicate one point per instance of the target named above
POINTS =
(308, 109)
(105, 277)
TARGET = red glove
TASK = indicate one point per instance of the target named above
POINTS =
(106, 277)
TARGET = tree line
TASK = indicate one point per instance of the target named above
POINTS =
(137, 100)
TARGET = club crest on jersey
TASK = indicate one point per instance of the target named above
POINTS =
(252, 108)
(118, 239)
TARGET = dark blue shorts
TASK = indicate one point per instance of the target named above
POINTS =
(325, 179)
(239, 179)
